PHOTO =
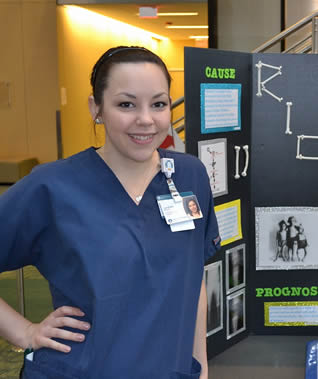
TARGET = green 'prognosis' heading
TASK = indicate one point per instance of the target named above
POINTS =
(286, 291)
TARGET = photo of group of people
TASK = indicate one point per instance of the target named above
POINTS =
(285, 238)
(291, 241)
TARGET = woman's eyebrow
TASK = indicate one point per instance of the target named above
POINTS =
(126, 94)
(130, 95)
(160, 94)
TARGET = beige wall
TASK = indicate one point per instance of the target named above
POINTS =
(83, 36)
(243, 25)
(295, 11)
(29, 63)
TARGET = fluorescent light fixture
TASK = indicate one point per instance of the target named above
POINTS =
(199, 37)
(178, 14)
(82, 17)
(187, 26)
(163, 14)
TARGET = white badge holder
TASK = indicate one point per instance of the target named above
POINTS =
(171, 212)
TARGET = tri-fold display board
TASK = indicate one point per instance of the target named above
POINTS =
(252, 119)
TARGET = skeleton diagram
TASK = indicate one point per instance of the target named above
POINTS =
(212, 173)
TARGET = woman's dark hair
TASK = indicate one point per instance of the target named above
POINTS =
(290, 220)
(281, 223)
(121, 54)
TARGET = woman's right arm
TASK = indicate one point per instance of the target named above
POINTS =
(25, 334)
(25, 216)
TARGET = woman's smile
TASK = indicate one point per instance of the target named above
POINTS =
(142, 139)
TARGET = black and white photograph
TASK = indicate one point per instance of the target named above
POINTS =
(213, 154)
(286, 238)
(235, 268)
(236, 317)
(214, 287)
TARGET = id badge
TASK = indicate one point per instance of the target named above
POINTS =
(181, 226)
(177, 212)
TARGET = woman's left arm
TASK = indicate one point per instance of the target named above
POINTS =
(199, 347)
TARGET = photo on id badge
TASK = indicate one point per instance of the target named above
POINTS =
(192, 207)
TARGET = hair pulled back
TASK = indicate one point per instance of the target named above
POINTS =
(117, 55)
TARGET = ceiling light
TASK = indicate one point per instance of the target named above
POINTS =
(82, 17)
(175, 14)
(187, 26)
(199, 37)
(179, 14)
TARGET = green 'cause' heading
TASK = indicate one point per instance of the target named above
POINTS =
(220, 73)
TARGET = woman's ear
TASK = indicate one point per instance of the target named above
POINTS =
(93, 108)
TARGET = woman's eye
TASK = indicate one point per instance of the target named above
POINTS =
(126, 104)
(160, 104)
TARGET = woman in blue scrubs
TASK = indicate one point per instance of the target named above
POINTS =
(127, 287)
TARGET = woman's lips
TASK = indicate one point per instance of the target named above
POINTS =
(142, 139)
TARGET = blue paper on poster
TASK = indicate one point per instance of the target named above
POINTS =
(220, 107)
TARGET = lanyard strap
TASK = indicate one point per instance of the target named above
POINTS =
(173, 190)
(167, 167)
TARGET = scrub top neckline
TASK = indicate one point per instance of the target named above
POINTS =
(104, 165)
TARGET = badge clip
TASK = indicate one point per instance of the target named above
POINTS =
(167, 167)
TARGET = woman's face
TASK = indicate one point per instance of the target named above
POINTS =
(193, 207)
(135, 110)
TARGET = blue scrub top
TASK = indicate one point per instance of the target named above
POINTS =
(137, 282)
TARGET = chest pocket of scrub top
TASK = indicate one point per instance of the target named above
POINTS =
(194, 374)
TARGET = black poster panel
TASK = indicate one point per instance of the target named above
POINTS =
(204, 66)
(283, 84)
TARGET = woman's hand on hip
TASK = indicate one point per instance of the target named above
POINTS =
(40, 335)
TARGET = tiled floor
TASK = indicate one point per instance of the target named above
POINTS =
(262, 357)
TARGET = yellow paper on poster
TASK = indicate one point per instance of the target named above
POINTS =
(291, 313)
(229, 220)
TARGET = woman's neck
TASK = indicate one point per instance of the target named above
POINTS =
(123, 166)
(134, 176)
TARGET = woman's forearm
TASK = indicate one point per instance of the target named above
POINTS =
(21, 332)
(13, 326)
(199, 347)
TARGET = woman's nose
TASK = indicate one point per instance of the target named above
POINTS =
(144, 117)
